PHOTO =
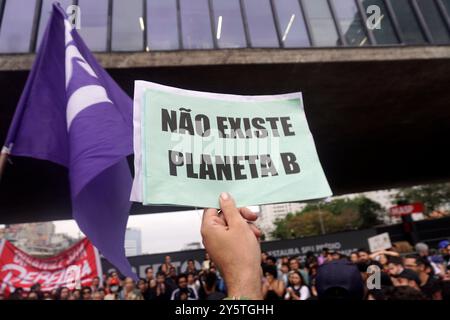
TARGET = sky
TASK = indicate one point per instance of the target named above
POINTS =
(163, 232)
(160, 232)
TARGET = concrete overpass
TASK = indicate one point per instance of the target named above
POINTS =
(380, 116)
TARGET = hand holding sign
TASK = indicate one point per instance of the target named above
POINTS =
(232, 245)
(190, 146)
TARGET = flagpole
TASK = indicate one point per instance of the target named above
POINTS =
(4, 154)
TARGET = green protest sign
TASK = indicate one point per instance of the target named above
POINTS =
(191, 146)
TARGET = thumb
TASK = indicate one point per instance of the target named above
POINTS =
(231, 214)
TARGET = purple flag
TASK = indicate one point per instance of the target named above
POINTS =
(71, 112)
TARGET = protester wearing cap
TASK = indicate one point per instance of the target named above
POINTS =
(408, 278)
(114, 286)
(339, 280)
(444, 249)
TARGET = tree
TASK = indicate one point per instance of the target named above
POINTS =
(432, 196)
(337, 215)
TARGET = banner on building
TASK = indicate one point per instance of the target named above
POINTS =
(190, 146)
(406, 209)
(72, 268)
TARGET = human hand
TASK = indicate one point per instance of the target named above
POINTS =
(233, 245)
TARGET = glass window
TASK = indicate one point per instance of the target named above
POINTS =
(127, 25)
(94, 23)
(17, 25)
(434, 20)
(196, 24)
(323, 30)
(162, 22)
(261, 24)
(46, 11)
(350, 21)
(229, 28)
(292, 24)
(382, 29)
(409, 26)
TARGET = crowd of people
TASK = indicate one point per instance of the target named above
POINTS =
(235, 268)
(383, 275)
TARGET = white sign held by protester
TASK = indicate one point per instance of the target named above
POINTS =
(379, 242)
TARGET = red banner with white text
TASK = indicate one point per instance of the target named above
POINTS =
(406, 209)
(72, 268)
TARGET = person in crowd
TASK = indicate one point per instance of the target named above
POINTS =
(47, 295)
(264, 256)
(97, 295)
(166, 266)
(114, 274)
(354, 257)
(382, 257)
(160, 291)
(323, 256)
(294, 265)
(129, 291)
(37, 289)
(395, 266)
(63, 293)
(408, 278)
(429, 284)
(283, 274)
(220, 282)
(102, 293)
(206, 262)
(444, 250)
(96, 284)
(86, 293)
(335, 255)
(76, 294)
(149, 276)
(422, 249)
(310, 259)
(282, 260)
(297, 290)
(183, 289)
(33, 296)
(143, 288)
(72, 297)
(339, 280)
(193, 282)
(113, 289)
(445, 290)
(271, 261)
(191, 267)
(404, 293)
(272, 288)
(210, 287)
(363, 256)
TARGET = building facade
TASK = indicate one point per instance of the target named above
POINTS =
(155, 25)
(374, 76)
(133, 242)
(37, 239)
